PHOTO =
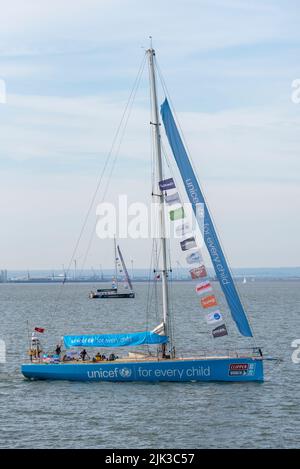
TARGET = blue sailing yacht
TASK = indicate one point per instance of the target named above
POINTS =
(165, 365)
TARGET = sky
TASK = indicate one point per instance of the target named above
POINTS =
(68, 67)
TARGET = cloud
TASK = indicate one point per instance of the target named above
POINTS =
(69, 67)
(178, 26)
(48, 131)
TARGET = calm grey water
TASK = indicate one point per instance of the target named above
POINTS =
(138, 415)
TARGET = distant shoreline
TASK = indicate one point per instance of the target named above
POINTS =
(93, 282)
(139, 275)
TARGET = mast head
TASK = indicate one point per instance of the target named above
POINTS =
(150, 50)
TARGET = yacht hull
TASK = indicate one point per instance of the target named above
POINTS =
(116, 295)
(177, 370)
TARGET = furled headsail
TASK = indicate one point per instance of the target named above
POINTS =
(210, 236)
(114, 340)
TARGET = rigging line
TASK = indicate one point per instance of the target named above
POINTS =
(156, 268)
(156, 212)
(171, 289)
(152, 170)
(151, 135)
(130, 106)
(152, 287)
(99, 183)
(164, 86)
(152, 159)
(156, 290)
(172, 319)
(150, 275)
(152, 281)
(153, 220)
(170, 280)
(149, 290)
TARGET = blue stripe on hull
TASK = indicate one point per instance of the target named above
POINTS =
(222, 369)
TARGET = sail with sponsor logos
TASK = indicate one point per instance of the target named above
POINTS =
(192, 258)
(211, 240)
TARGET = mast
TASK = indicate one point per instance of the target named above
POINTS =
(159, 194)
(116, 267)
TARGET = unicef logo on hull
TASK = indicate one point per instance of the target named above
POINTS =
(125, 372)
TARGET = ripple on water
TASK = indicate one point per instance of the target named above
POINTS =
(132, 415)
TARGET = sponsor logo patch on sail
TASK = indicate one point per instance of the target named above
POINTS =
(208, 301)
(183, 229)
(203, 287)
(219, 331)
(194, 258)
(212, 318)
(188, 243)
(198, 272)
(172, 199)
(177, 214)
(167, 184)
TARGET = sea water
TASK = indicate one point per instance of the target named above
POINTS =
(61, 414)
